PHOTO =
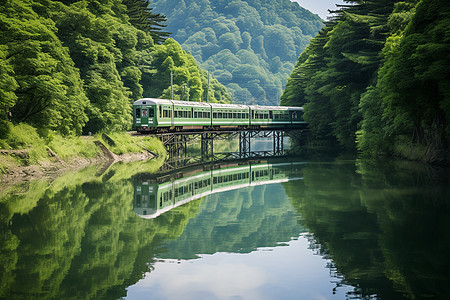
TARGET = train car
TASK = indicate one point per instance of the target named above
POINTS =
(191, 115)
(276, 116)
(229, 115)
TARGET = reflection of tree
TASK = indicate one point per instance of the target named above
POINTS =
(384, 232)
(237, 221)
(80, 239)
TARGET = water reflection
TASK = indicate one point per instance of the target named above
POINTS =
(154, 196)
(384, 224)
(381, 228)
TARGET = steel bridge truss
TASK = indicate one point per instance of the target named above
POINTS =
(176, 144)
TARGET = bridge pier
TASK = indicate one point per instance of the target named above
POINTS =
(278, 143)
(244, 144)
(207, 146)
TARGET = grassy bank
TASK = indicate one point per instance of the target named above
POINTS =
(24, 147)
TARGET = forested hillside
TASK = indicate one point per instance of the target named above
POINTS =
(77, 66)
(250, 46)
(377, 78)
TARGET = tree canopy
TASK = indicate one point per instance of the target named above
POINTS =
(77, 66)
(376, 78)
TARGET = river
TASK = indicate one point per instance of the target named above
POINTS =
(328, 228)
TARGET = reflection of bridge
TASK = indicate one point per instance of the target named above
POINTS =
(176, 144)
(153, 197)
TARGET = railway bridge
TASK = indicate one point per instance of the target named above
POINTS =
(177, 144)
(177, 123)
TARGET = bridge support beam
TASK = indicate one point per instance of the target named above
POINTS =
(278, 142)
(244, 144)
(207, 146)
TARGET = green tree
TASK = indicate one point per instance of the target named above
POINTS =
(49, 92)
(142, 18)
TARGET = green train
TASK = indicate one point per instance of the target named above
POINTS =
(152, 198)
(161, 115)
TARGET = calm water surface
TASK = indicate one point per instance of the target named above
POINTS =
(328, 229)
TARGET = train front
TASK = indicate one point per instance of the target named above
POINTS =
(144, 115)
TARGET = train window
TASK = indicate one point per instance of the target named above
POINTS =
(144, 113)
(271, 114)
(215, 180)
(208, 115)
(215, 115)
(151, 112)
(138, 112)
(195, 114)
(230, 115)
(219, 115)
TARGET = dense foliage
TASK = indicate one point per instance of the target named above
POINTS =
(248, 45)
(377, 77)
(77, 66)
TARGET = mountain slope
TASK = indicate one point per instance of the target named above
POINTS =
(250, 46)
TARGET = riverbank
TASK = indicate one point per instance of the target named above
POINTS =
(24, 155)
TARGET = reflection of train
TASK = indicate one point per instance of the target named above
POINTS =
(151, 115)
(152, 198)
